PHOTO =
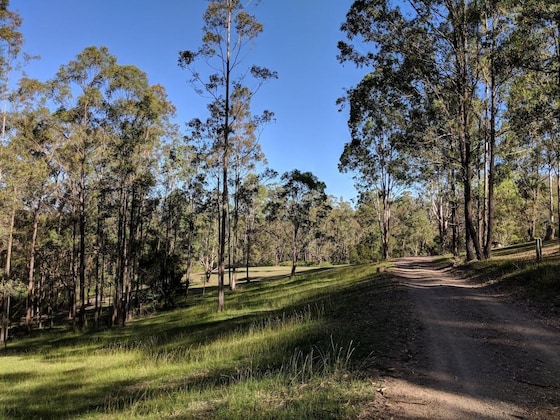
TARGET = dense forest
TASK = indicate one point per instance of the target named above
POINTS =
(107, 206)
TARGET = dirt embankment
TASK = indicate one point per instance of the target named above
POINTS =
(475, 357)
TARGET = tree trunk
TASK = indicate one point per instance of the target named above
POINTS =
(235, 228)
(454, 221)
(550, 227)
(31, 274)
(82, 322)
(9, 246)
(73, 263)
(386, 224)
(190, 240)
(118, 315)
(558, 193)
(248, 259)
(5, 319)
(463, 119)
(483, 201)
(129, 246)
(6, 295)
(491, 164)
(437, 210)
(533, 229)
(98, 265)
(248, 227)
(225, 157)
(471, 236)
(164, 270)
(222, 242)
(39, 300)
(294, 251)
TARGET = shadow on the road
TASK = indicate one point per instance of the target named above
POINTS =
(476, 352)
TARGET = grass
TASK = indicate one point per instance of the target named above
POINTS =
(255, 274)
(515, 272)
(307, 347)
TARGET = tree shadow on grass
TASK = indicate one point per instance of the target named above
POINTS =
(362, 315)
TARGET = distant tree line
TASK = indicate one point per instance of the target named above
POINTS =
(109, 208)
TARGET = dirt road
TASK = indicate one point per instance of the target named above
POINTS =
(476, 356)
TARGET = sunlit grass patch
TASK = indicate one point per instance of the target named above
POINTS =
(308, 384)
(35, 386)
(283, 348)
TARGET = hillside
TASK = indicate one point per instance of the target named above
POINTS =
(284, 348)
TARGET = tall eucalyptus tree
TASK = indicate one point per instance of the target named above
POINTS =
(246, 153)
(229, 32)
(536, 96)
(377, 126)
(495, 64)
(301, 201)
(29, 176)
(136, 121)
(33, 149)
(79, 91)
(111, 121)
(427, 53)
(11, 41)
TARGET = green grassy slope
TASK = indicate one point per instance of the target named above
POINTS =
(284, 348)
(515, 273)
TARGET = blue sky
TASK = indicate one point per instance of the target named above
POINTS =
(299, 42)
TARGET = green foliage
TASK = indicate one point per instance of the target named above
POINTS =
(121, 198)
(509, 211)
(301, 192)
(432, 103)
(367, 250)
(229, 131)
(302, 202)
(413, 231)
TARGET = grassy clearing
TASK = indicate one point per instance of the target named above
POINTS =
(255, 274)
(305, 347)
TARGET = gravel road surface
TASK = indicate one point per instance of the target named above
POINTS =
(476, 356)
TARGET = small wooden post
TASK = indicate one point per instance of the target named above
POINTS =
(538, 248)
